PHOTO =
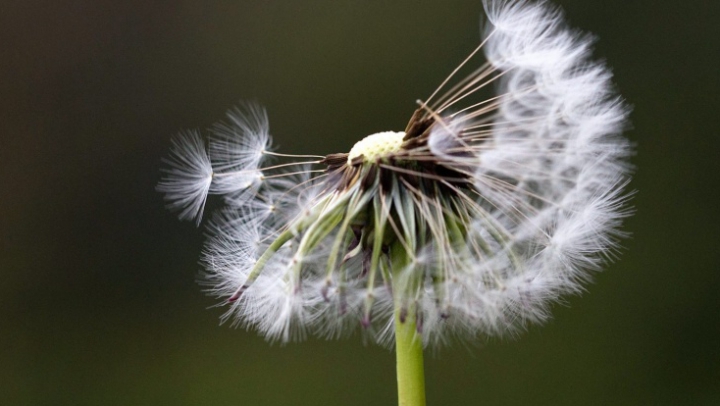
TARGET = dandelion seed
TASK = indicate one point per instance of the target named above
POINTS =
(187, 181)
(470, 221)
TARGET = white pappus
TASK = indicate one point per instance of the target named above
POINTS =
(472, 220)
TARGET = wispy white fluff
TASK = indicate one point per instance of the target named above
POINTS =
(237, 148)
(510, 201)
(240, 142)
(229, 166)
(188, 176)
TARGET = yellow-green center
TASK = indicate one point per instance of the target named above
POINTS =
(377, 146)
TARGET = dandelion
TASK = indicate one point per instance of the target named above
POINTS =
(471, 221)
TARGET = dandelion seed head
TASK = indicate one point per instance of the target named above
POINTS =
(471, 221)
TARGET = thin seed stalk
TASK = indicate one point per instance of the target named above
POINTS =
(408, 343)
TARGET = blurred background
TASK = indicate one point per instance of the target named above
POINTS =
(98, 300)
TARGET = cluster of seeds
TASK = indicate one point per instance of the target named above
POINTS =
(471, 221)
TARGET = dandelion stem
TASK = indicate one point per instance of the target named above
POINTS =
(408, 343)
(409, 353)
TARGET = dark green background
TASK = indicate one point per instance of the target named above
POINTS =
(98, 300)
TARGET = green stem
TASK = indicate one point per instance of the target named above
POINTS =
(408, 343)
(409, 352)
